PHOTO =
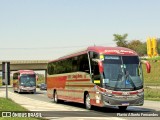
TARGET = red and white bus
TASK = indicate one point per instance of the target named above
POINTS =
(24, 81)
(99, 76)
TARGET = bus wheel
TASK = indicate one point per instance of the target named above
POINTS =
(34, 92)
(122, 108)
(55, 97)
(87, 102)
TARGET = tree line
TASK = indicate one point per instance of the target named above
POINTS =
(136, 45)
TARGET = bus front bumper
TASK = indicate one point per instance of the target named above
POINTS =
(27, 89)
(123, 100)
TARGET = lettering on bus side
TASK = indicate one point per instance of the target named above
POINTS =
(78, 76)
(69, 77)
(74, 76)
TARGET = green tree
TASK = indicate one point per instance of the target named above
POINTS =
(138, 46)
(120, 40)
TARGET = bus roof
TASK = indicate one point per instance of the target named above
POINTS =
(102, 50)
(26, 71)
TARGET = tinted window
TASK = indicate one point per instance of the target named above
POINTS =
(83, 63)
(74, 64)
(64, 66)
(130, 60)
(15, 76)
(27, 80)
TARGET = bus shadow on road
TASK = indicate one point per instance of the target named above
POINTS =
(29, 93)
(108, 109)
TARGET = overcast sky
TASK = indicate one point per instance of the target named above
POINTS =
(47, 29)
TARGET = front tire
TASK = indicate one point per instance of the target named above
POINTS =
(122, 108)
(88, 102)
(55, 97)
(34, 92)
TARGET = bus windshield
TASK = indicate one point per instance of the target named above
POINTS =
(122, 73)
(28, 80)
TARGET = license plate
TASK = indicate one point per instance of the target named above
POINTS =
(125, 104)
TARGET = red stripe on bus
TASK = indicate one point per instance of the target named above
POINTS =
(68, 98)
(81, 91)
(80, 85)
(58, 82)
(134, 92)
(82, 80)
(101, 89)
(79, 100)
(70, 90)
(117, 92)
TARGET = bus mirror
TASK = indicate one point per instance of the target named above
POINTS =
(101, 69)
(148, 66)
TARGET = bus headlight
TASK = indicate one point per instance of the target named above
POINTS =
(110, 95)
(106, 94)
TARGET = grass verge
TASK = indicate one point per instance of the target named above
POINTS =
(151, 94)
(9, 105)
(153, 78)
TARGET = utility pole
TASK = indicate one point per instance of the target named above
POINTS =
(6, 75)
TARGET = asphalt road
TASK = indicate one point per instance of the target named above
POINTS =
(149, 106)
(42, 96)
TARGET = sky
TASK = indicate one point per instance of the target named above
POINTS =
(48, 29)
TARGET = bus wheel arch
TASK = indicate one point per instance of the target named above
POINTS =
(55, 97)
(87, 100)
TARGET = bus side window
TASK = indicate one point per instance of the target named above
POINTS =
(94, 64)
(95, 71)
(95, 68)
(83, 63)
(74, 64)
(15, 76)
(68, 65)
(50, 68)
(93, 55)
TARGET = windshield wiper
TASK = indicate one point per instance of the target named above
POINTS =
(118, 79)
(131, 81)
(108, 87)
(29, 83)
